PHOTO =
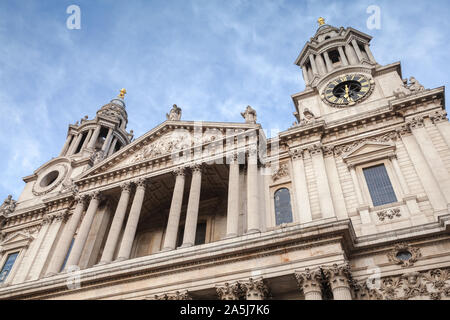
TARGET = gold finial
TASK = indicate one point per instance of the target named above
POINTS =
(122, 93)
(321, 21)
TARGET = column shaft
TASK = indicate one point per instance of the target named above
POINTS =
(86, 141)
(313, 64)
(233, 200)
(116, 225)
(328, 62)
(94, 137)
(83, 233)
(170, 240)
(343, 57)
(369, 53)
(66, 145)
(190, 226)
(66, 238)
(75, 144)
(253, 223)
(132, 222)
(107, 141)
(357, 50)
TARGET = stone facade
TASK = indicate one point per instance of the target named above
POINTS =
(191, 211)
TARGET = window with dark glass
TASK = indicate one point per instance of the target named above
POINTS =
(67, 255)
(379, 184)
(200, 234)
(8, 266)
(283, 210)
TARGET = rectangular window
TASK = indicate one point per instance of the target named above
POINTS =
(379, 185)
(8, 266)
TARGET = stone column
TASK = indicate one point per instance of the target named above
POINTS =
(357, 50)
(321, 64)
(328, 62)
(94, 137)
(229, 291)
(301, 186)
(132, 222)
(343, 57)
(74, 145)
(339, 279)
(83, 232)
(439, 119)
(253, 223)
(369, 53)
(432, 156)
(190, 225)
(323, 187)
(254, 289)
(310, 282)
(116, 225)
(173, 223)
(113, 146)
(313, 64)
(107, 142)
(351, 55)
(66, 145)
(305, 75)
(233, 199)
(67, 236)
(429, 183)
(86, 141)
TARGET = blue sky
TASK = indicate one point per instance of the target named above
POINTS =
(212, 58)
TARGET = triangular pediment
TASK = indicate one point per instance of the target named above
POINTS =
(369, 150)
(16, 239)
(166, 139)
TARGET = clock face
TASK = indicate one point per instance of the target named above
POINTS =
(347, 90)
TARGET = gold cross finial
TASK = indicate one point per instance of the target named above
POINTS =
(122, 93)
(321, 21)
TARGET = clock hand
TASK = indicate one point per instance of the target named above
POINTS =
(346, 92)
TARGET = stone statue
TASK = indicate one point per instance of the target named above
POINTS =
(8, 206)
(174, 114)
(249, 115)
(309, 116)
(415, 85)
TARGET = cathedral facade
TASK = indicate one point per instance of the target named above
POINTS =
(350, 202)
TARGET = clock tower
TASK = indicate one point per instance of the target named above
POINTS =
(341, 75)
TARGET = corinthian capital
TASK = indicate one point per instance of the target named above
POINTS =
(141, 183)
(180, 171)
(338, 275)
(309, 280)
(296, 154)
(125, 187)
(229, 291)
(96, 195)
(315, 149)
(255, 289)
(416, 122)
(439, 116)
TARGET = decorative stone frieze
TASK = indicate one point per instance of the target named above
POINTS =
(389, 214)
(229, 291)
(281, 172)
(404, 254)
(432, 284)
(178, 295)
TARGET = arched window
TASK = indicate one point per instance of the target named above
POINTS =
(283, 210)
